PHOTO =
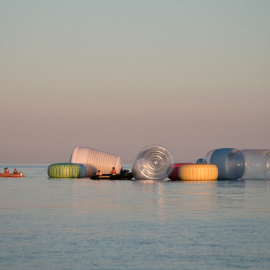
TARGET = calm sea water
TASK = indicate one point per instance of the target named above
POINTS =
(85, 224)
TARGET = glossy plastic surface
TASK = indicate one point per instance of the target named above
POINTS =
(254, 163)
(95, 160)
(223, 159)
(152, 162)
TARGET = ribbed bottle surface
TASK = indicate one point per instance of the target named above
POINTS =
(95, 160)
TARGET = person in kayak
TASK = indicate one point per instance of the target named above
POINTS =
(15, 171)
(113, 172)
(98, 173)
(6, 170)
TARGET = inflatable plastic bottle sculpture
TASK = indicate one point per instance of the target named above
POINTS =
(207, 157)
(95, 160)
(247, 164)
(223, 159)
(152, 163)
(254, 164)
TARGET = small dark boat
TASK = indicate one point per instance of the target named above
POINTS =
(121, 176)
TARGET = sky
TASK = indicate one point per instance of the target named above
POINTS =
(120, 75)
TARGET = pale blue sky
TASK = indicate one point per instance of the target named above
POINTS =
(120, 75)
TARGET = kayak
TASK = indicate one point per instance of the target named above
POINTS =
(11, 175)
(122, 176)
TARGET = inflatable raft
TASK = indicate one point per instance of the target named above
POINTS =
(121, 176)
(11, 175)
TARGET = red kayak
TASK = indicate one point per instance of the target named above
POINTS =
(11, 175)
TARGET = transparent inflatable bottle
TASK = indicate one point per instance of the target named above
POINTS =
(253, 163)
(152, 163)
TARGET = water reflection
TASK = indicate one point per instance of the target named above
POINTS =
(231, 187)
(258, 184)
(155, 197)
(179, 196)
(200, 196)
(90, 196)
(164, 199)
